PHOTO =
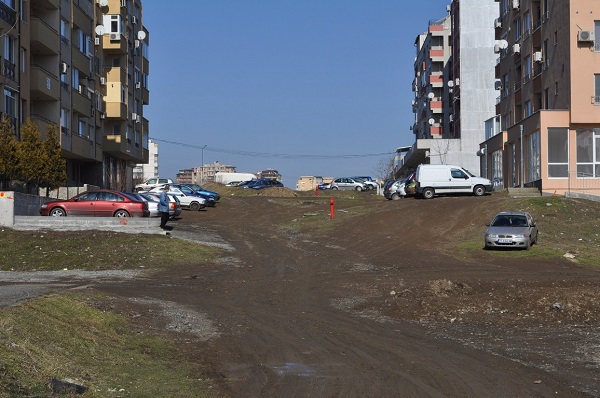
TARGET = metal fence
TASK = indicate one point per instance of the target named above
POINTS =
(582, 184)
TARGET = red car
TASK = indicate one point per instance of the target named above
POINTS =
(101, 203)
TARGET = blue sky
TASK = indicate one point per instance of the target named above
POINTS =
(261, 83)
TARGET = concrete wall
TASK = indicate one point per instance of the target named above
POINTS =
(18, 204)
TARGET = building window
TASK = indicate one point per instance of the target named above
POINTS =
(82, 129)
(64, 121)
(9, 57)
(528, 109)
(558, 152)
(588, 153)
(527, 23)
(535, 161)
(10, 104)
(596, 89)
(518, 30)
(527, 63)
(113, 23)
(547, 98)
(497, 170)
(64, 31)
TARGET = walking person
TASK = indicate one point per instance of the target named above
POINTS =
(163, 207)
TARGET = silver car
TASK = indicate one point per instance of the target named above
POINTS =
(512, 229)
(347, 183)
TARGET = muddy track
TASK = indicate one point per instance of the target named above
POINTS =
(364, 310)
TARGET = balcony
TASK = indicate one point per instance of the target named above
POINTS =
(44, 86)
(118, 146)
(81, 103)
(7, 14)
(80, 61)
(82, 148)
(44, 39)
(114, 43)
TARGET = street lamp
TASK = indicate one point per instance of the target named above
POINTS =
(202, 169)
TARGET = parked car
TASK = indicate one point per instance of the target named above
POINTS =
(367, 181)
(410, 185)
(188, 201)
(261, 183)
(435, 179)
(200, 189)
(100, 203)
(153, 201)
(325, 185)
(347, 183)
(513, 229)
(152, 183)
(209, 196)
(394, 190)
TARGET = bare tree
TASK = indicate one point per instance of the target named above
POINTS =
(440, 148)
(385, 168)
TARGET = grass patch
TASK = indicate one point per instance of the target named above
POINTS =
(95, 250)
(65, 338)
(566, 225)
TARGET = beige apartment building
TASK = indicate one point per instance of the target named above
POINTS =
(202, 174)
(81, 65)
(547, 130)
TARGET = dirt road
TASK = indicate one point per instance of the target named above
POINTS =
(377, 304)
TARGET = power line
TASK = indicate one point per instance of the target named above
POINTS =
(270, 155)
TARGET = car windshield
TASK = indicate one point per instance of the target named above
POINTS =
(510, 221)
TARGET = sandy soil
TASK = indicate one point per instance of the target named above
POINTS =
(376, 304)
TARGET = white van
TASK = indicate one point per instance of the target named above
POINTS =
(434, 179)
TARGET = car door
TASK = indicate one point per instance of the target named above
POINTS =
(459, 181)
(106, 204)
(83, 205)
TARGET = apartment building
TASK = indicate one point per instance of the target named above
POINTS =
(145, 171)
(453, 93)
(81, 65)
(204, 173)
(546, 133)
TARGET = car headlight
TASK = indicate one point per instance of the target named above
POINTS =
(492, 236)
(45, 206)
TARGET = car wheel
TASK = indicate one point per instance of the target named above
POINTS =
(395, 196)
(359, 189)
(57, 212)
(479, 190)
(334, 188)
(195, 206)
(428, 193)
(121, 213)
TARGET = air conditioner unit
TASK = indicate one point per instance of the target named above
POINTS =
(102, 81)
(138, 85)
(115, 37)
(63, 68)
(97, 41)
(515, 4)
(102, 3)
(123, 3)
(139, 118)
(516, 48)
(451, 118)
(102, 115)
(498, 84)
(585, 35)
(457, 82)
(133, 19)
(497, 48)
(537, 56)
(497, 23)
(136, 43)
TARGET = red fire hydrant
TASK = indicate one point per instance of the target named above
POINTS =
(331, 208)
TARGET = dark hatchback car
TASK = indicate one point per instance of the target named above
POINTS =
(101, 203)
(262, 183)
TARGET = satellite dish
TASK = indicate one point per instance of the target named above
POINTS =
(141, 35)
(450, 83)
(431, 121)
(103, 3)
(430, 95)
(503, 44)
(100, 30)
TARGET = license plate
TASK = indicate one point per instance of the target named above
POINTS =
(504, 240)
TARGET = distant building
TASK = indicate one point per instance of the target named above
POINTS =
(308, 183)
(202, 174)
(145, 171)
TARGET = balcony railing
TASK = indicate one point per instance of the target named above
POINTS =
(9, 69)
(8, 14)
